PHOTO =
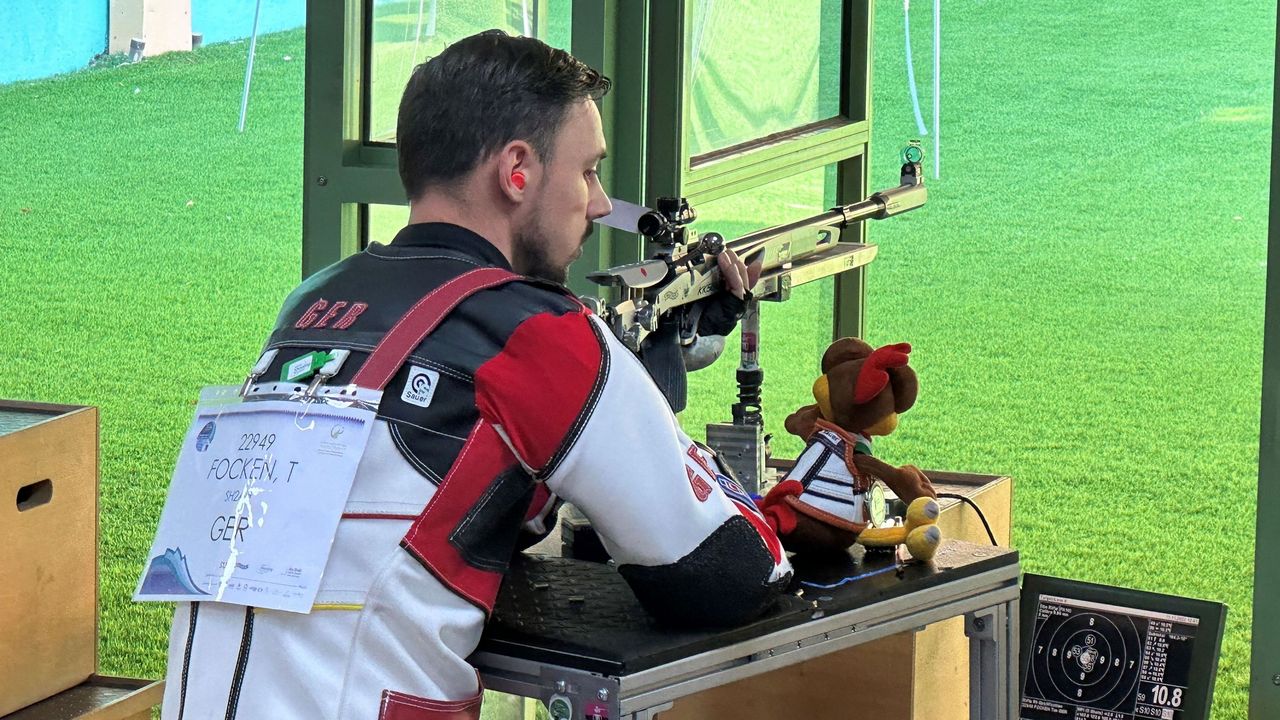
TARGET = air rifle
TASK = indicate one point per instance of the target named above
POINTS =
(684, 270)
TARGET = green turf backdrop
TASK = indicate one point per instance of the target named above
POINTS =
(1084, 290)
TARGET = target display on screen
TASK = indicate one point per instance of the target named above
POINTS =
(1101, 658)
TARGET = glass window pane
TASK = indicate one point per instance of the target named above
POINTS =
(744, 86)
(408, 32)
(793, 334)
(384, 222)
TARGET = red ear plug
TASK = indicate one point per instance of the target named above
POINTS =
(517, 179)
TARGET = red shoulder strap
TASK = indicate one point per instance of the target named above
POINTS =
(420, 321)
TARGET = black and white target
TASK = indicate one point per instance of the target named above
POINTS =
(1087, 658)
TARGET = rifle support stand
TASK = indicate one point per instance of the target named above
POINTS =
(741, 444)
(741, 447)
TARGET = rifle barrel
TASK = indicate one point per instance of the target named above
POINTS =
(826, 219)
(883, 204)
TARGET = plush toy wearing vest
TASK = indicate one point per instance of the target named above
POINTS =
(821, 504)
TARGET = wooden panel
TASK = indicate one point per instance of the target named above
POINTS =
(941, 662)
(941, 691)
(125, 21)
(49, 571)
(872, 680)
(164, 25)
(917, 676)
(993, 494)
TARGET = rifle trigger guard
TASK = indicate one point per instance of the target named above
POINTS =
(689, 324)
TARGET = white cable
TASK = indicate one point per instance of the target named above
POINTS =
(702, 18)
(405, 72)
(417, 37)
(937, 88)
(248, 70)
(911, 70)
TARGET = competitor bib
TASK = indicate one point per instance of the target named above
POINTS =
(255, 501)
(259, 488)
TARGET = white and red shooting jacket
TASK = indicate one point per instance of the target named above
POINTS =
(533, 399)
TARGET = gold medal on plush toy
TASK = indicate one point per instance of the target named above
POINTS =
(877, 508)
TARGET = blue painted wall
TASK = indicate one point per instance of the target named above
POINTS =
(221, 20)
(39, 38)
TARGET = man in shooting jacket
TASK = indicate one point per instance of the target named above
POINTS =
(516, 396)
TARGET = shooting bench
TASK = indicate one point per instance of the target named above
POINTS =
(571, 632)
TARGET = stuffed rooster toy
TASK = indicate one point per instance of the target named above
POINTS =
(821, 504)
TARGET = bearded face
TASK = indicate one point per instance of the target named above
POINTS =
(564, 198)
(539, 254)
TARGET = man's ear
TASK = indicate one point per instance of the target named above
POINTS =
(517, 168)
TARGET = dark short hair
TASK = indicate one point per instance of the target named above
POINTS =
(481, 93)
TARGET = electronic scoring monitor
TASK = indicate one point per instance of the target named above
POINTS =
(1095, 652)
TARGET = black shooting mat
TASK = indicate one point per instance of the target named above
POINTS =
(583, 615)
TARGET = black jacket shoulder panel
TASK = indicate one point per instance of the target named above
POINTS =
(712, 592)
(353, 304)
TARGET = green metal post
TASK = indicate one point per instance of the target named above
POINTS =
(666, 114)
(641, 44)
(331, 115)
(848, 316)
(592, 42)
(1264, 683)
(629, 151)
(852, 174)
(612, 36)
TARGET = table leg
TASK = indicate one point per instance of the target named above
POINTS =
(993, 662)
(1012, 662)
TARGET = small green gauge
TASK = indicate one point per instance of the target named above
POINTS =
(559, 708)
(877, 508)
(912, 153)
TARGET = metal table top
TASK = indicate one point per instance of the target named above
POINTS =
(583, 616)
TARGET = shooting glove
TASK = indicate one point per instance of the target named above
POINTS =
(661, 352)
(721, 313)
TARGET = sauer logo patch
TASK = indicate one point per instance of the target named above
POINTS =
(421, 386)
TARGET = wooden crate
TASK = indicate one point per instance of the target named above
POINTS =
(908, 676)
(164, 25)
(49, 567)
(98, 698)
